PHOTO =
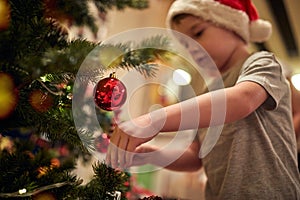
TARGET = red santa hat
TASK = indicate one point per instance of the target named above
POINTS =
(239, 16)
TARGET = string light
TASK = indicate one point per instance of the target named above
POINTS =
(22, 191)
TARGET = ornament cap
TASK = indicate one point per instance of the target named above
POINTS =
(113, 75)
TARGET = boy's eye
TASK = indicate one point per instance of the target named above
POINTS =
(198, 34)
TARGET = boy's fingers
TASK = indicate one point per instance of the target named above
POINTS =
(113, 150)
(114, 156)
(129, 158)
(107, 158)
(122, 151)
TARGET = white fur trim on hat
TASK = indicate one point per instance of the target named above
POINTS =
(223, 16)
(260, 30)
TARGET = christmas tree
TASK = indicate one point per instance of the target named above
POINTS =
(38, 67)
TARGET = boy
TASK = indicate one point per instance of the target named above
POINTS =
(255, 155)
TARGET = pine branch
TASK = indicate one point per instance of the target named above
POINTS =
(78, 12)
(103, 6)
(105, 183)
(21, 169)
(60, 66)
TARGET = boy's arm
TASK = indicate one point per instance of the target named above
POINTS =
(240, 101)
(187, 161)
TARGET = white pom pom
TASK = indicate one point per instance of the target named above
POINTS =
(260, 30)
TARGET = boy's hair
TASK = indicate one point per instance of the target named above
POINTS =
(239, 16)
(177, 18)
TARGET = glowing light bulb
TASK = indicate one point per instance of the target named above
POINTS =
(22, 191)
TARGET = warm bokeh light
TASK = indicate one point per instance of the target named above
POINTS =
(181, 77)
(296, 81)
(8, 96)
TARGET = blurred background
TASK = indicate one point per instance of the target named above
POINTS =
(284, 42)
(283, 14)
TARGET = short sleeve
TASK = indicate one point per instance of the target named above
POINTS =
(263, 69)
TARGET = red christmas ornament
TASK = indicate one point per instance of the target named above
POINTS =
(110, 93)
(40, 101)
(44, 196)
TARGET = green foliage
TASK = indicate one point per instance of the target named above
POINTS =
(36, 53)
(104, 183)
(77, 10)
(120, 4)
(30, 167)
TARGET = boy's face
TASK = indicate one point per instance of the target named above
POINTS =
(218, 42)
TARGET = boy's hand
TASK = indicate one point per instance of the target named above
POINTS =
(142, 156)
(125, 139)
